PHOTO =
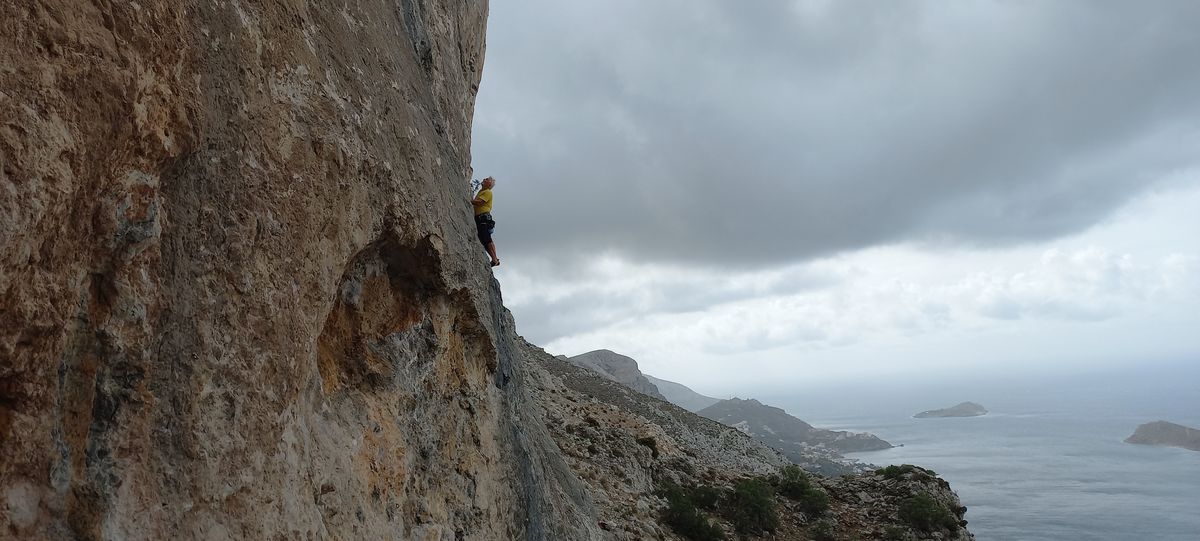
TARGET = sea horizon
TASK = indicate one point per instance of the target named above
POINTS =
(1048, 461)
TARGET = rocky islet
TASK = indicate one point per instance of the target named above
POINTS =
(1166, 434)
(964, 409)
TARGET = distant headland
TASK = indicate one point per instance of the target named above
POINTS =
(966, 409)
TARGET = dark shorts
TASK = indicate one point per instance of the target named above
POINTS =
(485, 225)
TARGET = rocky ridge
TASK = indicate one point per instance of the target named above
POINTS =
(625, 445)
(817, 449)
(682, 395)
(617, 367)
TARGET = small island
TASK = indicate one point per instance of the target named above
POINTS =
(966, 409)
(1166, 434)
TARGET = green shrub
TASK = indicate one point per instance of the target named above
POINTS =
(751, 507)
(705, 497)
(894, 471)
(822, 531)
(926, 514)
(895, 533)
(682, 515)
(814, 502)
(650, 442)
(795, 484)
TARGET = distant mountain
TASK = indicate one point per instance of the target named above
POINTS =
(814, 449)
(793, 437)
(618, 368)
(966, 409)
(681, 395)
(1166, 434)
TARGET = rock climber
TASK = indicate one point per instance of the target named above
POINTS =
(483, 217)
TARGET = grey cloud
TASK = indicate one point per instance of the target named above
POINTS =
(753, 133)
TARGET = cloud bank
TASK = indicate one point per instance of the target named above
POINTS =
(753, 134)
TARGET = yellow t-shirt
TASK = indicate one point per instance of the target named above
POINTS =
(486, 196)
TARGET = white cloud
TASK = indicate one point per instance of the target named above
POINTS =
(906, 308)
(1085, 284)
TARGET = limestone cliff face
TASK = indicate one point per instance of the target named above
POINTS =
(240, 296)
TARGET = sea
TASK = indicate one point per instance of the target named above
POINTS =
(1048, 461)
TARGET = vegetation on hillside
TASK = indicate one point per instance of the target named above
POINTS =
(924, 513)
(795, 484)
(683, 513)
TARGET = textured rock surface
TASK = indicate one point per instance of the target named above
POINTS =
(240, 296)
(1166, 434)
(965, 409)
(618, 368)
(816, 449)
(598, 423)
(870, 506)
(682, 395)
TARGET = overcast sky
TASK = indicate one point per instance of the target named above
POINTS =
(817, 191)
